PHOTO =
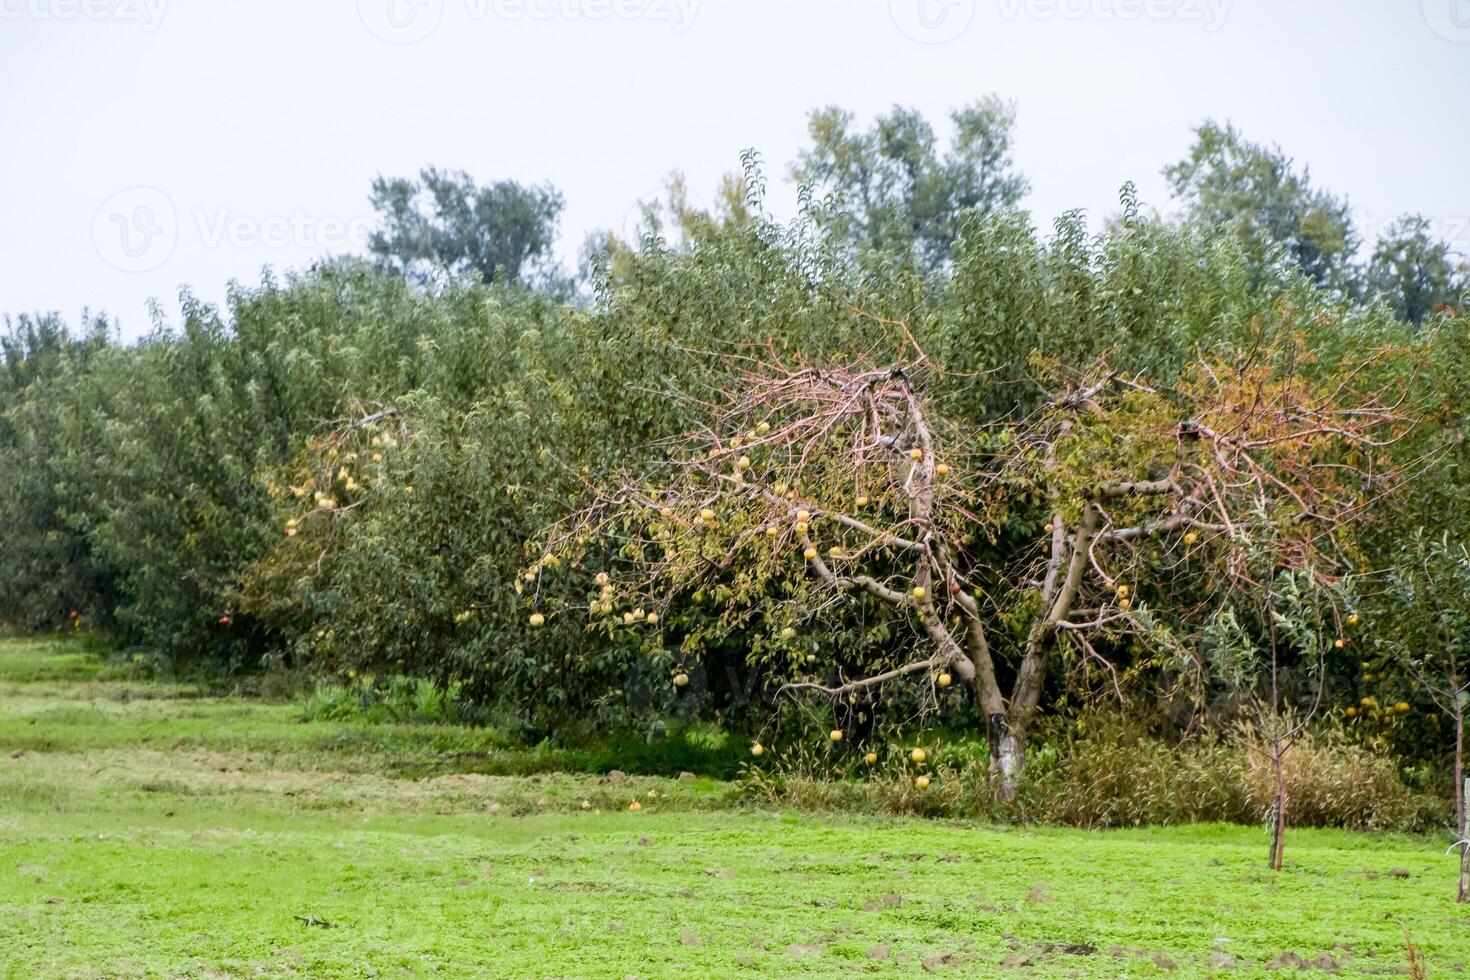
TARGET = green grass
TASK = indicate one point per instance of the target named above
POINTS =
(148, 831)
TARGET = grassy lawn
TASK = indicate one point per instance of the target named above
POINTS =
(146, 830)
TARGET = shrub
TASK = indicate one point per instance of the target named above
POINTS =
(1332, 781)
(1109, 770)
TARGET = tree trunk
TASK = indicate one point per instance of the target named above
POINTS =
(1464, 892)
(1462, 789)
(1007, 757)
(1278, 816)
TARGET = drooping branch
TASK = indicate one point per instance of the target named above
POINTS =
(809, 489)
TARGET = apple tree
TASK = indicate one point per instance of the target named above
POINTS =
(1429, 634)
(991, 553)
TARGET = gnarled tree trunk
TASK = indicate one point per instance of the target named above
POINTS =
(1007, 756)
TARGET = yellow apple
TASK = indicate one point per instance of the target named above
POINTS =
(945, 680)
(918, 755)
(537, 619)
(922, 782)
(836, 735)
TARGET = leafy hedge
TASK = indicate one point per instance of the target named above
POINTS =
(167, 489)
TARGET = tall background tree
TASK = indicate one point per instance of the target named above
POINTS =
(444, 223)
(1414, 273)
(1255, 192)
(889, 189)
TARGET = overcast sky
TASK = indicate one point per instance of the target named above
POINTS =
(153, 144)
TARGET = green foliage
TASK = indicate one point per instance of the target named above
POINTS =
(443, 223)
(1413, 271)
(1255, 192)
(52, 566)
(1110, 767)
(888, 190)
(149, 486)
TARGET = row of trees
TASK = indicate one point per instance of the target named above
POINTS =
(904, 440)
(893, 188)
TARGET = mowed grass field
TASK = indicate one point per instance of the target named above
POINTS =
(148, 830)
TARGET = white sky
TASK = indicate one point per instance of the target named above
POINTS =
(257, 125)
